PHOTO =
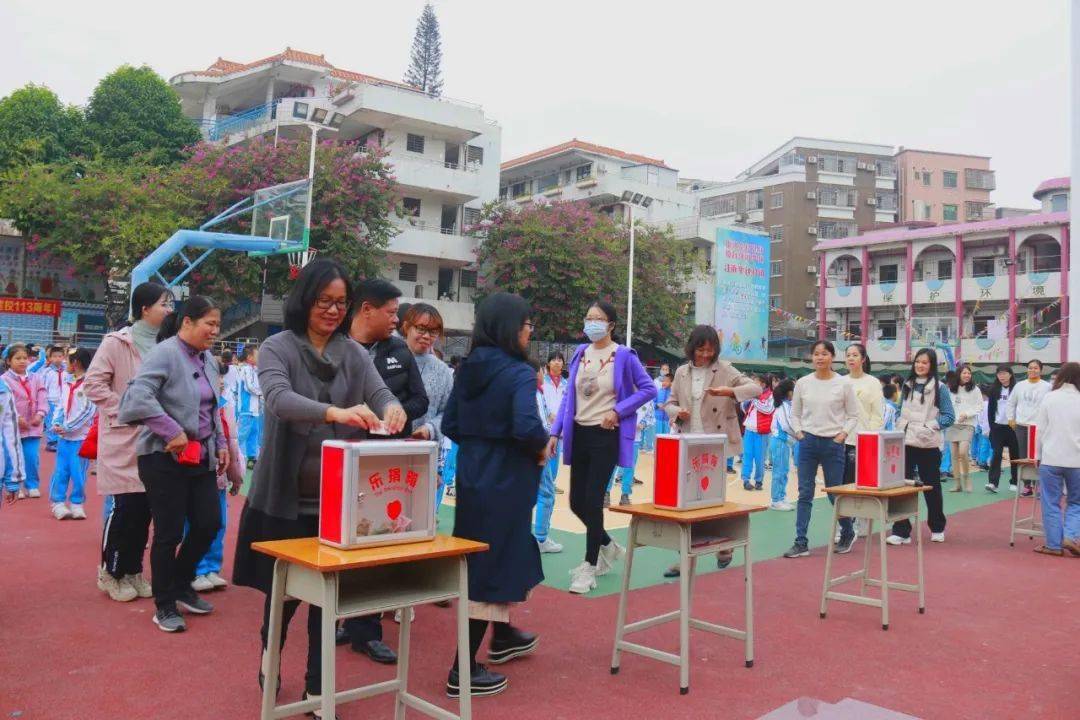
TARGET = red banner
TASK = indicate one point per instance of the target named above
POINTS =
(29, 306)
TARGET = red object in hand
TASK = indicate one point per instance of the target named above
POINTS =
(191, 454)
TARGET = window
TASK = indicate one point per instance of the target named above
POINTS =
(468, 278)
(980, 322)
(925, 177)
(948, 213)
(547, 182)
(519, 189)
(944, 269)
(774, 301)
(776, 268)
(949, 178)
(776, 200)
(755, 200)
(854, 328)
(583, 172)
(723, 205)
(975, 210)
(854, 276)
(504, 192)
(885, 201)
(411, 205)
(885, 168)
(923, 208)
(414, 143)
(889, 273)
(407, 272)
(886, 330)
(979, 179)
(835, 229)
(776, 233)
(471, 218)
(837, 164)
(982, 267)
(838, 196)
(474, 154)
(1059, 202)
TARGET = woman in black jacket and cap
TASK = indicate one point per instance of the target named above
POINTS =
(492, 416)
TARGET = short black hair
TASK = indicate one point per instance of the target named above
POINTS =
(312, 280)
(888, 390)
(402, 309)
(699, 336)
(226, 356)
(81, 355)
(53, 349)
(605, 307)
(1037, 361)
(376, 292)
(829, 347)
(195, 308)
(247, 352)
(499, 319)
(145, 295)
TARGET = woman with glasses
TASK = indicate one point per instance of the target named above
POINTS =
(318, 385)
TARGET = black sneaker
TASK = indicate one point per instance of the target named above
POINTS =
(844, 546)
(168, 620)
(515, 644)
(723, 559)
(484, 682)
(797, 551)
(190, 602)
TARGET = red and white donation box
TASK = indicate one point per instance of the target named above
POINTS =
(879, 459)
(377, 492)
(690, 471)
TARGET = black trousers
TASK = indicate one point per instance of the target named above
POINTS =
(594, 454)
(123, 540)
(364, 629)
(928, 463)
(178, 493)
(313, 672)
(1001, 437)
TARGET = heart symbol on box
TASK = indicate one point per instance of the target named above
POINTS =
(393, 509)
(892, 468)
(704, 482)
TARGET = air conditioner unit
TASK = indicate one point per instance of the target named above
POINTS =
(871, 201)
(811, 333)
(812, 160)
(811, 304)
(812, 229)
(812, 269)
(811, 195)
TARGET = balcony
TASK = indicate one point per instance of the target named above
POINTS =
(887, 293)
(421, 239)
(886, 350)
(457, 316)
(984, 350)
(416, 171)
(937, 290)
(238, 126)
(462, 118)
(1038, 284)
(843, 296)
(986, 287)
(1046, 348)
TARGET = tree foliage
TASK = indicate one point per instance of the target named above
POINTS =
(134, 112)
(35, 127)
(425, 65)
(561, 256)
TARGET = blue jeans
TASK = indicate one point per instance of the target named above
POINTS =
(814, 452)
(755, 445)
(780, 452)
(70, 471)
(545, 496)
(211, 561)
(250, 435)
(31, 448)
(1052, 480)
(626, 473)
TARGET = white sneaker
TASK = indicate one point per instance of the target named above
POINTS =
(117, 589)
(397, 615)
(1012, 487)
(78, 512)
(22, 495)
(60, 511)
(35, 493)
(550, 546)
(219, 582)
(141, 585)
(609, 557)
(897, 540)
(201, 583)
(101, 578)
(583, 578)
(783, 506)
(937, 537)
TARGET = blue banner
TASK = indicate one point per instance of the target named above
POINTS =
(742, 294)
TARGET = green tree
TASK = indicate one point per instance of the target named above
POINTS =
(425, 65)
(35, 127)
(560, 256)
(134, 112)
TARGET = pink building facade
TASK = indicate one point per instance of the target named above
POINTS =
(944, 188)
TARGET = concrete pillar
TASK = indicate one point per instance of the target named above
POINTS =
(864, 315)
(909, 280)
(823, 281)
(958, 274)
(1012, 296)
(1063, 327)
(1074, 87)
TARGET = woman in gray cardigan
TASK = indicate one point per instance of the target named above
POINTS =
(317, 385)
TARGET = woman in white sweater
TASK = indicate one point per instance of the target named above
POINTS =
(1058, 454)
(1024, 404)
(968, 403)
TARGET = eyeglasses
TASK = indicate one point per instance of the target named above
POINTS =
(325, 303)
(531, 326)
(430, 332)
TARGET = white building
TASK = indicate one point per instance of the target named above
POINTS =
(445, 155)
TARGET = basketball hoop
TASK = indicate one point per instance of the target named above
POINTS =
(298, 260)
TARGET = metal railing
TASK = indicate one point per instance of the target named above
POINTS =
(409, 223)
(214, 129)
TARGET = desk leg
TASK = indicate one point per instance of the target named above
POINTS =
(829, 553)
(684, 608)
(329, 646)
(403, 663)
(919, 560)
(464, 664)
(1016, 508)
(272, 657)
(620, 618)
(883, 511)
(866, 554)
(748, 573)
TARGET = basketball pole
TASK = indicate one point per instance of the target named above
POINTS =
(1073, 328)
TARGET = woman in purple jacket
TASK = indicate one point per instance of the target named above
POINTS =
(597, 422)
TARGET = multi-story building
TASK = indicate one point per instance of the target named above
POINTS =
(444, 153)
(944, 187)
(993, 291)
(804, 191)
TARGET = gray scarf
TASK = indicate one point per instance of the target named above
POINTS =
(144, 336)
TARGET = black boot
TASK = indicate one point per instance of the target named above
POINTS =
(508, 642)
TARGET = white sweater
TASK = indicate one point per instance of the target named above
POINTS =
(1058, 419)
(824, 407)
(968, 405)
(1025, 400)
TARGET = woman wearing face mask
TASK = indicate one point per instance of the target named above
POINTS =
(926, 410)
(1024, 406)
(1002, 435)
(597, 424)
(969, 403)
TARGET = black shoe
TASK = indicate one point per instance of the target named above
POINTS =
(844, 546)
(378, 651)
(190, 602)
(484, 682)
(757, 487)
(251, 464)
(723, 560)
(797, 551)
(747, 486)
(168, 620)
(51, 447)
(515, 643)
(672, 572)
(341, 636)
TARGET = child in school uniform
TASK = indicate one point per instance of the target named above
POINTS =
(891, 408)
(72, 421)
(782, 445)
(12, 465)
(982, 451)
(208, 571)
(646, 418)
(31, 406)
(663, 394)
(52, 375)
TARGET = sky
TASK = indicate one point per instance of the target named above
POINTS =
(708, 86)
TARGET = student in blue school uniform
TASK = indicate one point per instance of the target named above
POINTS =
(782, 445)
(551, 386)
(249, 405)
(891, 409)
(71, 423)
(12, 466)
(982, 451)
(646, 417)
(52, 376)
(663, 394)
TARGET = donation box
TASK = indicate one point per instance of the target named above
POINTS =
(690, 471)
(879, 459)
(377, 492)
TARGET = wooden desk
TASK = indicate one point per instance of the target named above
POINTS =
(1030, 525)
(883, 507)
(650, 526)
(350, 583)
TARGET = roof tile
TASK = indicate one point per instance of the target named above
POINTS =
(576, 144)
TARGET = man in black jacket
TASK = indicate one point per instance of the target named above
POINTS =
(374, 319)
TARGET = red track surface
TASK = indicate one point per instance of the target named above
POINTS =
(1000, 639)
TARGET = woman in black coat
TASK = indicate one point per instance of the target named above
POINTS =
(492, 416)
